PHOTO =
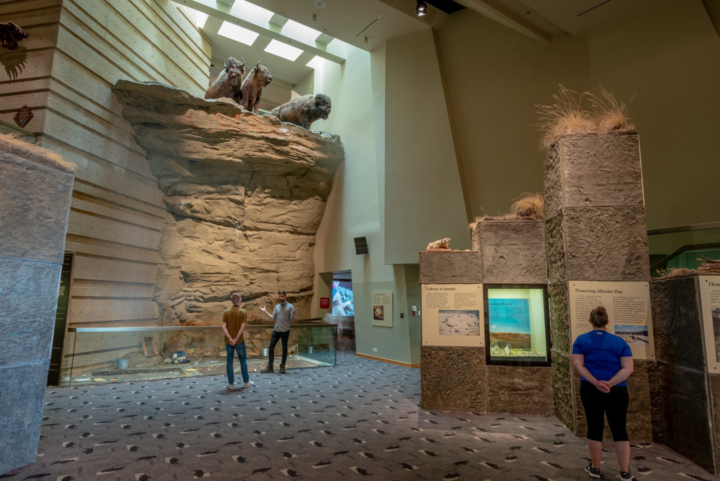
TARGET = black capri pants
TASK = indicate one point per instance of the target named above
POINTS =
(597, 404)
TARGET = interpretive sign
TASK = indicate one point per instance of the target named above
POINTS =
(382, 309)
(628, 308)
(453, 315)
(710, 301)
(324, 303)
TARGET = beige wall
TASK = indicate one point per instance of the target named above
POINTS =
(117, 213)
(667, 60)
(664, 60)
(423, 195)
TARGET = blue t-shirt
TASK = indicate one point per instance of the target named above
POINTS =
(602, 352)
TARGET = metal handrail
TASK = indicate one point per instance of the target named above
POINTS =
(303, 323)
(684, 248)
(684, 228)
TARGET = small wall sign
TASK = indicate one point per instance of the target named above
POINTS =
(23, 116)
(324, 303)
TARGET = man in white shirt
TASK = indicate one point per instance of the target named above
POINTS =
(283, 315)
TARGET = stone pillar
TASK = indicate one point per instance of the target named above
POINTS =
(35, 190)
(595, 230)
(452, 378)
(513, 252)
(688, 392)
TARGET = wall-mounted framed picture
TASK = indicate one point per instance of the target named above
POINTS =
(517, 327)
(382, 309)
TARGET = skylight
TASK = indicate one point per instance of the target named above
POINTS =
(283, 50)
(199, 17)
(300, 32)
(237, 33)
(252, 13)
(316, 63)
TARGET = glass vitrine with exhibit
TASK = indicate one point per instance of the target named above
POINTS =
(517, 328)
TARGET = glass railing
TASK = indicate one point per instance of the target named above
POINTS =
(683, 247)
(96, 355)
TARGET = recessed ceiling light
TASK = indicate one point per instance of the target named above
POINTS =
(252, 13)
(300, 32)
(421, 8)
(238, 33)
(320, 4)
(283, 50)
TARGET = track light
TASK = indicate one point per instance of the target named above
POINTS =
(421, 8)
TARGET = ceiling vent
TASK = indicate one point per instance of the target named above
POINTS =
(320, 3)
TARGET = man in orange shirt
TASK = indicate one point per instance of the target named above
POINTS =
(233, 325)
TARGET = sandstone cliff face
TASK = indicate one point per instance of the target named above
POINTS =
(245, 196)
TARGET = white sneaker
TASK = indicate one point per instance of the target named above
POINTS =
(231, 387)
(249, 383)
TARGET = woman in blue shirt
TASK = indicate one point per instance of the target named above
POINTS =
(604, 361)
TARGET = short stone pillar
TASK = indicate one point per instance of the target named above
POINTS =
(35, 191)
(686, 349)
(452, 377)
(513, 252)
(595, 231)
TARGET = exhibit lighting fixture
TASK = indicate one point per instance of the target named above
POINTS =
(421, 8)
(283, 50)
(237, 33)
(300, 32)
(252, 13)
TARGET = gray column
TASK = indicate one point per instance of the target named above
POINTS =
(35, 191)
(595, 230)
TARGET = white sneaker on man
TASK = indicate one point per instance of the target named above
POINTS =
(231, 387)
(249, 384)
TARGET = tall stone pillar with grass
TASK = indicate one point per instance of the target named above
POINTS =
(595, 231)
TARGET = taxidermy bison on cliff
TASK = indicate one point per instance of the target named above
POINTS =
(305, 110)
(228, 83)
(10, 35)
(252, 87)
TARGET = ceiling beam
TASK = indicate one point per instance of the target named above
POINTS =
(492, 10)
(221, 11)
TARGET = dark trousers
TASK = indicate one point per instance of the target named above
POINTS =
(598, 404)
(276, 336)
(238, 348)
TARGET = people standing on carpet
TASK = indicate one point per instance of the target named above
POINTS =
(283, 315)
(604, 361)
(233, 325)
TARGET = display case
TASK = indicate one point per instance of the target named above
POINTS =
(517, 328)
(96, 355)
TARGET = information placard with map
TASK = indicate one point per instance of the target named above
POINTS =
(628, 308)
(710, 300)
(453, 315)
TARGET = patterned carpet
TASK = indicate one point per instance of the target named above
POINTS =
(359, 420)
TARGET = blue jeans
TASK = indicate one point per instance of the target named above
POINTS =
(242, 355)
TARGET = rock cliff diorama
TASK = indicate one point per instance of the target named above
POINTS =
(245, 195)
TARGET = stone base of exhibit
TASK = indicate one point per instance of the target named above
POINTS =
(464, 366)
(597, 252)
(686, 320)
(35, 191)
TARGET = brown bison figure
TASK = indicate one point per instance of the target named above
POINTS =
(305, 110)
(10, 35)
(229, 83)
(252, 87)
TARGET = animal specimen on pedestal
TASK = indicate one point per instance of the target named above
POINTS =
(440, 244)
(305, 110)
(252, 87)
(10, 35)
(229, 82)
